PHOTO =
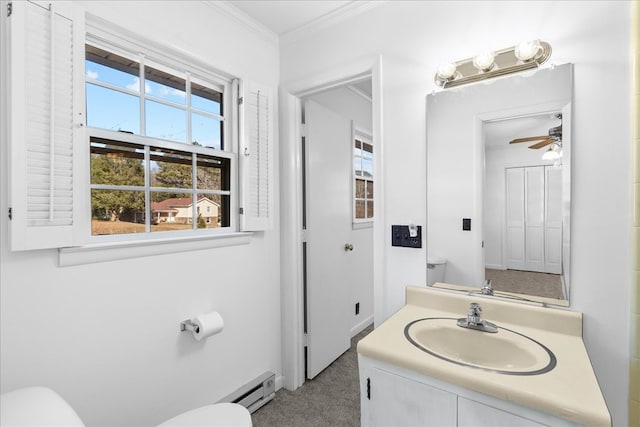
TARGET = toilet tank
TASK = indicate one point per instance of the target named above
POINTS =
(435, 269)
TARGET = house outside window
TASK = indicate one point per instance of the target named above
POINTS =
(363, 178)
(157, 146)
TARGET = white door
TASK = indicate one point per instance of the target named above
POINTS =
(553, 220)
(328, 214)
(515, 218)
(534, 218)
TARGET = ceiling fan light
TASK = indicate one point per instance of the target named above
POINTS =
(551, 154)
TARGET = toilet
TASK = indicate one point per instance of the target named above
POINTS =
(41, 406)
(435, 270)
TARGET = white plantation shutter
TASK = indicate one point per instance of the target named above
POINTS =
(256, 158)
(40, 123)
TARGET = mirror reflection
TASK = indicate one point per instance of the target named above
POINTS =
(498, 188)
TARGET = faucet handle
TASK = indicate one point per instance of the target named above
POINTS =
(475, 309)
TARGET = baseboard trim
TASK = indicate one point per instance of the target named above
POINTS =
(361, 326)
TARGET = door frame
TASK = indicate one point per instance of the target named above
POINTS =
(291, 200)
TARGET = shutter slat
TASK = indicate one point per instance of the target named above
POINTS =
(41, 156)
(256, 167)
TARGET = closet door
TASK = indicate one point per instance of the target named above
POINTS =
(534, 184)
(553, 220)
(515, 218)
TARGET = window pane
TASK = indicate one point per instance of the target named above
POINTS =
(369, 208)
(213, 173)
(205, 99)
(206, 132)
(367, 148)
(171, 212)
(213, 211)
(165, 122)
(116, 163)
(357, 166)
(113, 110)
(117, 212)
(360, 206)
(369, 189)
(163, 85)
(360, 188)
(367, 167)
(171, 168)
(358, 146)
(113, 69)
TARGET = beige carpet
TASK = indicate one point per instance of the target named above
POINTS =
(526, 282)
(331, 399)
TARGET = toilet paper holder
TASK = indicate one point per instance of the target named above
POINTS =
(188, 325)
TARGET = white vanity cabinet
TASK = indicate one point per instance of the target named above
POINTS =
(394, 396)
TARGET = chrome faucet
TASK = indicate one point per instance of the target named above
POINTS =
(474, 320)
(487, 289)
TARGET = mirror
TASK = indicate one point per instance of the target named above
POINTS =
(497, 210)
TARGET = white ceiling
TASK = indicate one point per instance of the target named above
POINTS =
(283, 16)
(498, 134)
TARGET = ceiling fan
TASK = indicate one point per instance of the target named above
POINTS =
(554, 136)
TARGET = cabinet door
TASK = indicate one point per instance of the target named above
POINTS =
(474, 414)
(398, 401)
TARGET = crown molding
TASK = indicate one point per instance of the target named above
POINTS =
(329, 19)
(243, 18)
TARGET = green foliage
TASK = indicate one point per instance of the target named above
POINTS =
(114, 204)
(201, 222)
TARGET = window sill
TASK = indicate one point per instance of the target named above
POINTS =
(105, 252)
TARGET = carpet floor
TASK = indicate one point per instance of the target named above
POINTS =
(526, 282)
(331, 399)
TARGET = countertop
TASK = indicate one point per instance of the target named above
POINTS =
(569, 391)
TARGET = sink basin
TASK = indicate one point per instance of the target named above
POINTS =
(505, 352)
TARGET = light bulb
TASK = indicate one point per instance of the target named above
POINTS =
(446, 71)
(526, 51)
(484, 61)
(552, 154)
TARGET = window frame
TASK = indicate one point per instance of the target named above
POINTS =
(365, 137)
(229, 138)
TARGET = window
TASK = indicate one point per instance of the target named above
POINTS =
(148, 140)
(362, 178)
(159, 158)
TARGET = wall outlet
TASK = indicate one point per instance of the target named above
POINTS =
(400, 236)
(357, 308)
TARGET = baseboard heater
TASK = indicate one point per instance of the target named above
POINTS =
(254, 394)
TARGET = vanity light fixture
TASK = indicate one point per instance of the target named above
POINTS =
(523, 56)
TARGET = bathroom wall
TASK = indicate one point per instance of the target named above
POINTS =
(106, 335)
(411, 38)
(353, 107)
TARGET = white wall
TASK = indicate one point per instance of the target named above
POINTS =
(106, 336)
(353, 107)
(412, 38)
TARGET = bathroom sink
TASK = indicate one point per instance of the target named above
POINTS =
(505, 352)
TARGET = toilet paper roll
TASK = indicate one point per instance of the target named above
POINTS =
(207, 324)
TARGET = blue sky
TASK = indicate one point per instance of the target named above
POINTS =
(114, 110)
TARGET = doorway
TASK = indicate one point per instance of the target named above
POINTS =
(338, 237)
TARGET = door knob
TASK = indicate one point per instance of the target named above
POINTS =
(348, 247)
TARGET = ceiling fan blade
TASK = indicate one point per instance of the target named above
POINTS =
(531, 138)
(542, 144)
